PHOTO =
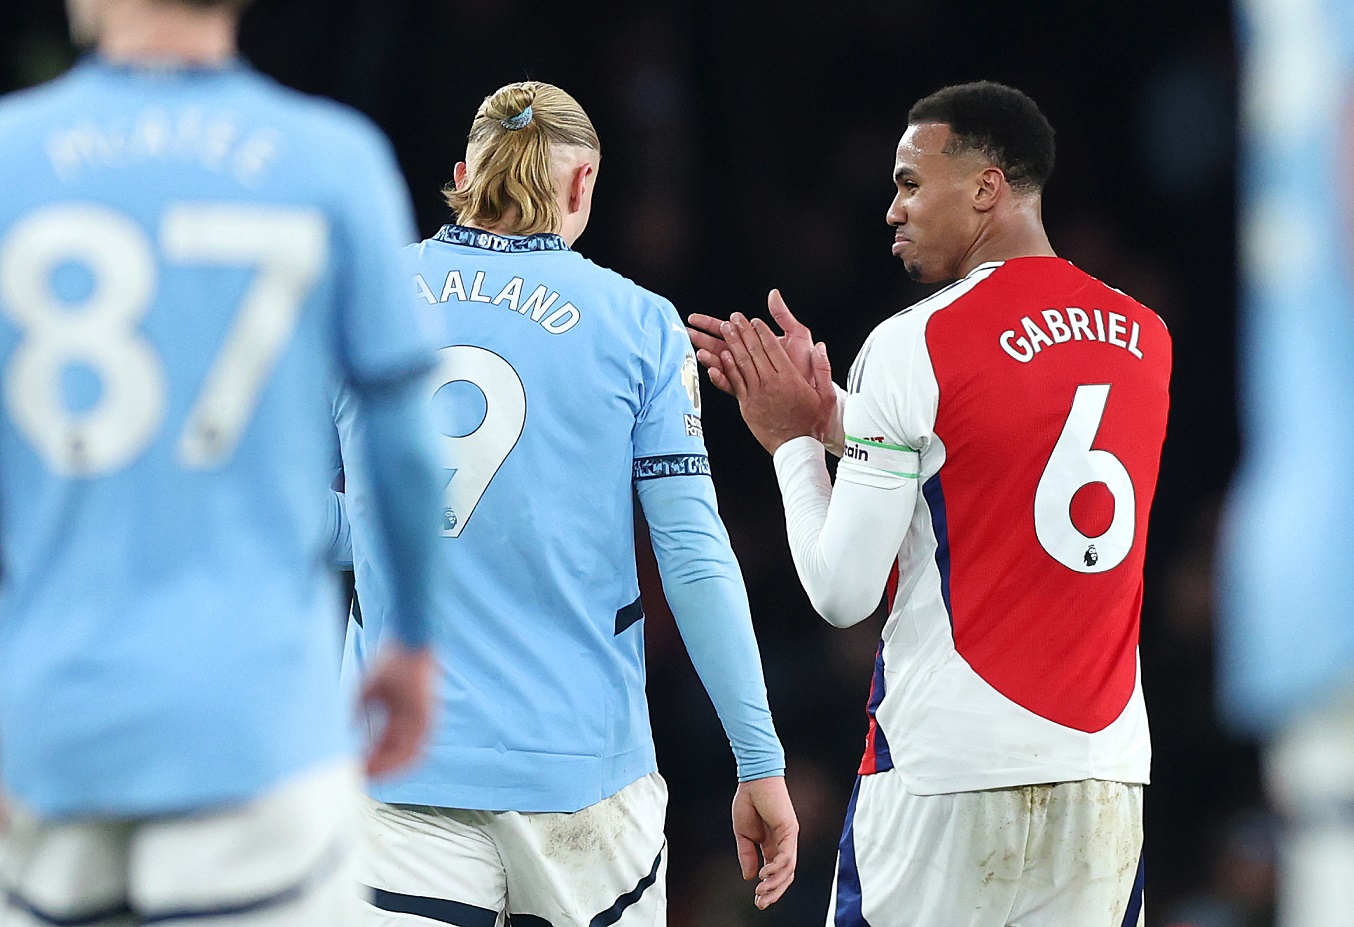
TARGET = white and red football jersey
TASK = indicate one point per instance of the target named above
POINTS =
(1031, 398)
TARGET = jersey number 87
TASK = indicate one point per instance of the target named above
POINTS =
(287, 247)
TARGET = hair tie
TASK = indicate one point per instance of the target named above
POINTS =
(520, 121)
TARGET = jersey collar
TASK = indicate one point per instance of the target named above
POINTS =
(489, 241)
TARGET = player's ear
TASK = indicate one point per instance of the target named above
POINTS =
(458, 175)
(987, 191)
(580, 183)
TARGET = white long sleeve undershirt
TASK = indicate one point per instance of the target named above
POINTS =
(844, 539)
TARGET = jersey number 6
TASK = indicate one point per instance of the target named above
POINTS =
(1074, 464)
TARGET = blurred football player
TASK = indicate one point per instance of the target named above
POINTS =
(189, 255)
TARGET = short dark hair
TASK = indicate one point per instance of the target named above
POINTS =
(1002, 123)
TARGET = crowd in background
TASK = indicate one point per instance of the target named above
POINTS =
(750, 145)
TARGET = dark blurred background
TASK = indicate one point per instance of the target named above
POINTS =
(749, 145)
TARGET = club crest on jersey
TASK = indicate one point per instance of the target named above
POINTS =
(692, 381)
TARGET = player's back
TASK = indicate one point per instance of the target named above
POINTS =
(175, 250)
(552, 386)
(1026, 553)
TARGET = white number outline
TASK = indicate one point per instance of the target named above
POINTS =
(475, 457)
(1075, 462)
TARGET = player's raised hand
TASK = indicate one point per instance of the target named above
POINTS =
(778, 403)
(400, 686)
(767, 832)
(710, 346)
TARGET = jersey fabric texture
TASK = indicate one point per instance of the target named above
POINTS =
(1029, 400)
(188, 258)
(563, 391)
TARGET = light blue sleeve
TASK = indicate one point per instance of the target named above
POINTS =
(394, 438)
(385, 332)
(705, 589)
(339, 532)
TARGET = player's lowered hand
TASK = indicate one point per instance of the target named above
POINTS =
(399, 686)
(767, 831)
(710, 346)
(777, 402)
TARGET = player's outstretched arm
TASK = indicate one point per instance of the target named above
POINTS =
(767, 831)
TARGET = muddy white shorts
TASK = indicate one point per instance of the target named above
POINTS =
(1032, 856)
(286, 859)
(604, 865)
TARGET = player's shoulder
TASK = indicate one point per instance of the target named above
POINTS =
(323, 119)
(1140, 309)
(633, 301)
(32, 107)
(1063, 276)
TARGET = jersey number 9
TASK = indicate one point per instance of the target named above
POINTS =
(474, 458)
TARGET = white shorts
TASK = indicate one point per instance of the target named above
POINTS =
(286, 859)
(604, 865)
(1032, 856)
(1310, 770)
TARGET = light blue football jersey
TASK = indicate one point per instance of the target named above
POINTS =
(562, 389)
(187, 259)
(1286, 576)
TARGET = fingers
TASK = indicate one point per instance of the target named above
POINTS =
(707, 325)
(822, 374)
(771, 346)
(704, 341)
(728, 368)
(748, 857)
(781, 313)
(721, 382)
(401, 737)
(743, 348)
(400, 683)
(781, 850)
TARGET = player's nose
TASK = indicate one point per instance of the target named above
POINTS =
(896, 214)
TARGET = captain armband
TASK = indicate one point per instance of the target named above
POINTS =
(876, 462)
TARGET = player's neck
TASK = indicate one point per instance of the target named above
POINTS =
(1020, 234)
(169, 34)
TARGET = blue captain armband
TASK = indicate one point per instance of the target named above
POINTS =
(652, 468)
